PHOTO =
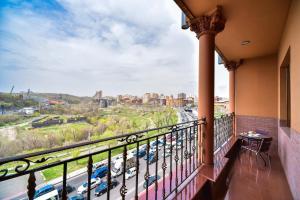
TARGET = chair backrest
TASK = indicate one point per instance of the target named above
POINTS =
(265, 144)
(262, 132)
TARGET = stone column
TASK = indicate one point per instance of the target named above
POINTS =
(231, 66)
(206, 27)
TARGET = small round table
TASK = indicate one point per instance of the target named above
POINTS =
(253, 135)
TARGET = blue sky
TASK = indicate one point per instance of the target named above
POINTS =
(80, 46)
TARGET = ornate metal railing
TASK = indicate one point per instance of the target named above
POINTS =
(223, 130)
(174, 149)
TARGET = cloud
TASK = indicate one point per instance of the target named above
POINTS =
(80, 46)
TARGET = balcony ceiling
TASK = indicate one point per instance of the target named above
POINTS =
(259, 21)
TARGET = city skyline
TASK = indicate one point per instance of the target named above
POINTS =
(57, 47)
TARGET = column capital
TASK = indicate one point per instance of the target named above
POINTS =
(230, 65)
(208, 24)
(233, 65)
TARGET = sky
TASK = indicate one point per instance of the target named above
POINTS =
(81, 46)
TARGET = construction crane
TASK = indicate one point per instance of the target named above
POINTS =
(28, 92)
(12, 89)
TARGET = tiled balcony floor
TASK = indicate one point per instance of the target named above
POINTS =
(253, 181)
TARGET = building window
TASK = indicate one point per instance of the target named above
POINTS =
(285, 92)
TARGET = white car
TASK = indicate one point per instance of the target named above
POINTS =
(116, 172)
(83, 188)
(130, 173)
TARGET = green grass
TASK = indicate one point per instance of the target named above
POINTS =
(57, 171)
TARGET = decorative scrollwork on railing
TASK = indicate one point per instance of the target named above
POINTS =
(146, 176)
(186, 154)
(21, 168)
(223, 129)
(176, 158)
(164, 166)
(131, 138)
(123, 191)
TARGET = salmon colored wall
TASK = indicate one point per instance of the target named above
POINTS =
(291, 38)
(256, 87)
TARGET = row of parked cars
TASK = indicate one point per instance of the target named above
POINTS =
(49, 191)
(100, 171)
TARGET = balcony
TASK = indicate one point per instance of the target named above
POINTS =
(202, 159)
(174, 156)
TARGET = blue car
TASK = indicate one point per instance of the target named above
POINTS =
(151, 180)
(100, 172)
(77, 197)
(102, 188)
(142, 153)
(44, 190)
(152, 158)
(150, 155)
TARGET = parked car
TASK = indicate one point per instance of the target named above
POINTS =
(150, 154)
(83, 188)
(130, 173)
(151, 180)
(43, 190)
(142, 153)
(153, 144)
(77, 197)
(152, 159)
(69, 189)
(102, 187)
(117, 167)
(167, 154)
(153, 149)
(52, 195)
(98, 165)
(143, 147)
(179, 146)
(115, 172)
(100, 172)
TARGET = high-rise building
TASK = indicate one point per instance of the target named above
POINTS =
(119, 98)
(154, 96)
(146, 98)
(181, 96)
(97, 96)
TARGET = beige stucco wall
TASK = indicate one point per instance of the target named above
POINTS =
(291, 38)
(256, 87)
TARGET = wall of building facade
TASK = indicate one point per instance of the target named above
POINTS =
(291, 40)
(289, 138)
(256, 87)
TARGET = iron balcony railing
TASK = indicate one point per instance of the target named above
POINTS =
(223, 130)
(174, 150)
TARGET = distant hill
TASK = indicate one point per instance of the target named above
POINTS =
(71, 99)
(22, 99)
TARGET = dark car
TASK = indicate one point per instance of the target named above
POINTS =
(69, 189)
(102, 187)
(77, 197)
(152, 159)
(43, 190)
(151, 180)
(142, 153)
(100, 172)
(150, 155)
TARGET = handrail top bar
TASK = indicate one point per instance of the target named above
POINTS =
(19, 157)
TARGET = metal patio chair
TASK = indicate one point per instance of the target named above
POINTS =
(261, 146)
